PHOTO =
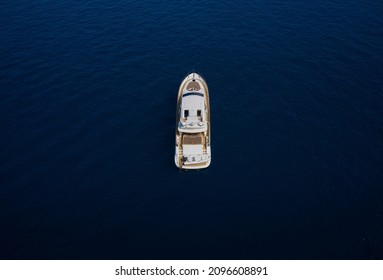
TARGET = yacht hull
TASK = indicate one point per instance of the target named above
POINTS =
(193, 135)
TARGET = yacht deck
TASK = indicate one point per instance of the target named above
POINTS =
(193, 86)
(192, 139)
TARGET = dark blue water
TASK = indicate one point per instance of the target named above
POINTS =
(87, 119)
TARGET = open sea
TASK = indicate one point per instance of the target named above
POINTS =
(87, 129)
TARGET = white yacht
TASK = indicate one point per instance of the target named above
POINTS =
(193, 124)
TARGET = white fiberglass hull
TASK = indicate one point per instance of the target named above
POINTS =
(193, 137)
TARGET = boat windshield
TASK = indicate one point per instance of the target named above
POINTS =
(192, 93)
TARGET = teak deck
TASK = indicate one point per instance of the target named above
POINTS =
(192, 139)
(193, 86)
